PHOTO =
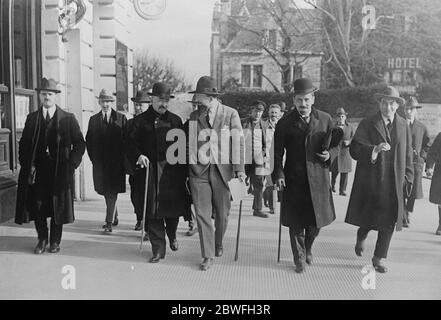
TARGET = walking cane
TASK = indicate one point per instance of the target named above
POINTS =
(280, 220)
(145, 204)
(236, 256)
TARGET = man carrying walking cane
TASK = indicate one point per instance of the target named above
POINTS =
(164, 183)
(307, 202)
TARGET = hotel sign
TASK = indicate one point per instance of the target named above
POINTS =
(403, 63)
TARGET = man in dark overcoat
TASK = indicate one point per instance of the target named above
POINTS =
(382, 147)
(342, 162)
(167, 197)
(307, 203)
(433, 170)
(50, 150)
(136, 178)
(420, 147)
(105, 146)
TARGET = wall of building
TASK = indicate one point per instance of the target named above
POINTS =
(232, 65)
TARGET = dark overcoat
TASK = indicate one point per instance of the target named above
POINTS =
(70, 149)
(420, 147)
(167, 195)
(342, 162)
(372, 204)
(105, 146)
(434, 159)
(307, 198)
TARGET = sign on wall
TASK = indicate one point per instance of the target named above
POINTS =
(430, 115)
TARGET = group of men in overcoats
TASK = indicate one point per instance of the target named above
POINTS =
(52, 146)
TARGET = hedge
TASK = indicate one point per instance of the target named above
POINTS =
(358, 102)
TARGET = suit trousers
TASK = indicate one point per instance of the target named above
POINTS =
(383, 240)
(209, 192)
(343, 180)
(157, 228)
(302, 239)
(56, 230)
(257, 182)
(268, 197)
(111, 210)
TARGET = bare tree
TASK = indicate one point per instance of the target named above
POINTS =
(283, 32)
(149, 69)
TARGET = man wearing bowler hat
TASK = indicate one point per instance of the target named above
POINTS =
(211, 172)
(307, 203)
(420, 147)
(50, 150)
(382, 147)
(255, 140)
(136, 178)
(167, 197)
(342, 162)
(105, 146)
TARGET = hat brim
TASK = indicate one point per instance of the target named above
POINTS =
(214, 94)
(308, 91)
(411, 107)
(379, 96)
(139, 101)
(50, 90)
(162, 96)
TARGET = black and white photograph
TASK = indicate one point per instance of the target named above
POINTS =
(225, 156)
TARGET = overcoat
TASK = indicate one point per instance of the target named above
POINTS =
(105, 146)
(372, 203)
(307, 198)
(342, 163)
(167, 195)
(70, 149)
(434, 158)
(420, 147)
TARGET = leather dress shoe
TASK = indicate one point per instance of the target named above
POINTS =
(378, 266)
(309, 258)
(271, 211)
(438, 231)
(156, 257)
(260, 214)
(41, 247)
(108, 227)
(54, 248)
(206, 264)
(115, 222)
(219, 251)
(174, 245)
(191, 231)
(300, 268)
(138, 226)
(359, 247)
(342, 193)
(333, 189)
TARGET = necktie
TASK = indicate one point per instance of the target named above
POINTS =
(209, 118)
(47, 117)
(105, 119)
(389, 125)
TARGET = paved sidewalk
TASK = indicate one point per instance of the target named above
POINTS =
(111, 266)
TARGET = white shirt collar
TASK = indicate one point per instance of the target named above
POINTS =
(386, 120)
(109, 112)
(51, 111)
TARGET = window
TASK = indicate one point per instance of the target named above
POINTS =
(246, 76)
(2, 111)
(257, 76)
(297, 71)
(251, 76)
(272, 39)
(122, 90)
(22, 44)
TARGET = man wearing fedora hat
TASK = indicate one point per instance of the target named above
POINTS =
(105, 146)
(342, 162)
(136, 178)
(209, 177)
(307, 202)
(420, 147)
(167, 197)
(50, 149)
(382, 147)
(255, 139)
